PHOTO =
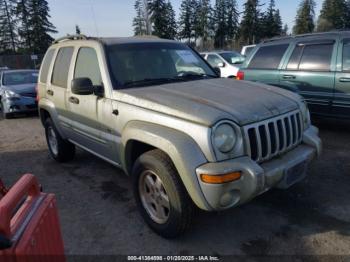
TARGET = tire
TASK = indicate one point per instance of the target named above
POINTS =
(60, 150)
(5, 115)
(177, 213)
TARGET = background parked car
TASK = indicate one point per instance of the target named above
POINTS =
(229, 62)
(17, 92)
(246, 50)
(317, 66)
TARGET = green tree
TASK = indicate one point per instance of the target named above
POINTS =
(40, 27)
(186, 20)
(333, 15)
(285, 30)
(203, 26)
(139, 22)
(8, 26)
(271, 24)
(251, 22)
(171, 31)
(232, 19)
(347, 25)
(304, 21)
(159, 17)
(24, 33)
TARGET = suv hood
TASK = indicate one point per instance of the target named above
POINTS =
(208, 101)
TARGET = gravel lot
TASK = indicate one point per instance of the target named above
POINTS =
(98, 214)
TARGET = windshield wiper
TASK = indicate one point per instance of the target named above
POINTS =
(191, 76)
(149, 81)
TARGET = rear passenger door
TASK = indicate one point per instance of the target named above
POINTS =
(57, 88)
(310, 71)
(265, 64)
(341, 103)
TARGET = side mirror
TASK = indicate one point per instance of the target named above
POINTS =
(221, 65)
(82, 86)
(217, 71)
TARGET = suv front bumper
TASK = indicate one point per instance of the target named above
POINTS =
(280, 172)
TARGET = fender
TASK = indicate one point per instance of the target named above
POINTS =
(49, 106)
(182, 150)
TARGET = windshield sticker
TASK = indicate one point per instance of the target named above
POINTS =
(187, 56)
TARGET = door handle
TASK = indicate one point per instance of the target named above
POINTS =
(344, 80)
(50, 92)
(289, 77)
(74, 100)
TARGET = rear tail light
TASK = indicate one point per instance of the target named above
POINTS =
(37, 93)
(240, 75)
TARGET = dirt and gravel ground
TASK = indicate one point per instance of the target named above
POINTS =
(98, 214)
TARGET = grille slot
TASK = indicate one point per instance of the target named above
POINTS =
(267, 139)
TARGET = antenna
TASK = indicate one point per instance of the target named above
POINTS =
(94, 17)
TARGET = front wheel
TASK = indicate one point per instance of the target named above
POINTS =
(60, 149)
(161, 196)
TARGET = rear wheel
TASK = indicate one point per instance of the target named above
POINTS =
(161, 196)
(60, 149)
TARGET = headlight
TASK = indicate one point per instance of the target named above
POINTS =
(225, 138)
(11, 94)
(306, 115)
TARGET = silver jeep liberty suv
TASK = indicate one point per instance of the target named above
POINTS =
(187, 138)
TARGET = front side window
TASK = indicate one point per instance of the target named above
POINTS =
(346, 56)
(214, 60)
(87, 66)
(62, 65)
(232, 57)
(316, 57)
(20, 78)
(143, 64)
(268, 57)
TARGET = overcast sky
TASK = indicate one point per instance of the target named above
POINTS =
(114, 17)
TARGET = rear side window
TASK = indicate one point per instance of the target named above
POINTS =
(311, 58)
(268, 57)
(346, 56)
(87, 66)
(46, 66)
(62, 64)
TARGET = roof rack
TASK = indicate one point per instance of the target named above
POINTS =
(71, 37)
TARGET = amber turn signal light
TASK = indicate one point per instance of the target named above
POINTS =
(221, 179)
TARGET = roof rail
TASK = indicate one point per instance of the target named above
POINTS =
(71, 37)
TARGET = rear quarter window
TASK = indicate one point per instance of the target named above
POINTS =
(346, 56)
(62, 65)
(268, 57)
(46, 66)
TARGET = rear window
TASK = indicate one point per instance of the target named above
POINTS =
(46, 66)
(268, 57)
(346, 56)
(62, 64)
(311, 58)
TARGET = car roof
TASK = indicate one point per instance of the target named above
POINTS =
(306, 37)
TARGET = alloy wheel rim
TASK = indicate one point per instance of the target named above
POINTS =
(154, 197)
(53, 141)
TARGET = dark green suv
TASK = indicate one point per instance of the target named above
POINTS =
(317, 66)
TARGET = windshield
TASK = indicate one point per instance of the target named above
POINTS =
(233, 57)
(143, 64)
(20, 78)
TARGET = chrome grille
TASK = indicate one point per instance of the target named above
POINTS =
(267, 139)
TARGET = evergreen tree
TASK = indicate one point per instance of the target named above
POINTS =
(285, 30)
(278, 25)
(203, 25)
(22, 14)
(158, 17)
(39, 25)
(347, 24)
(139, 22)
(220, 19)
(77, 30)
(251, 22)
(8, 37)
(304, 22)
(232, 19)
(271, 24)
(171, 31)
(186, 20)
(333, 15)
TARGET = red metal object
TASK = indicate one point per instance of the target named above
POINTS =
(29, 219)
